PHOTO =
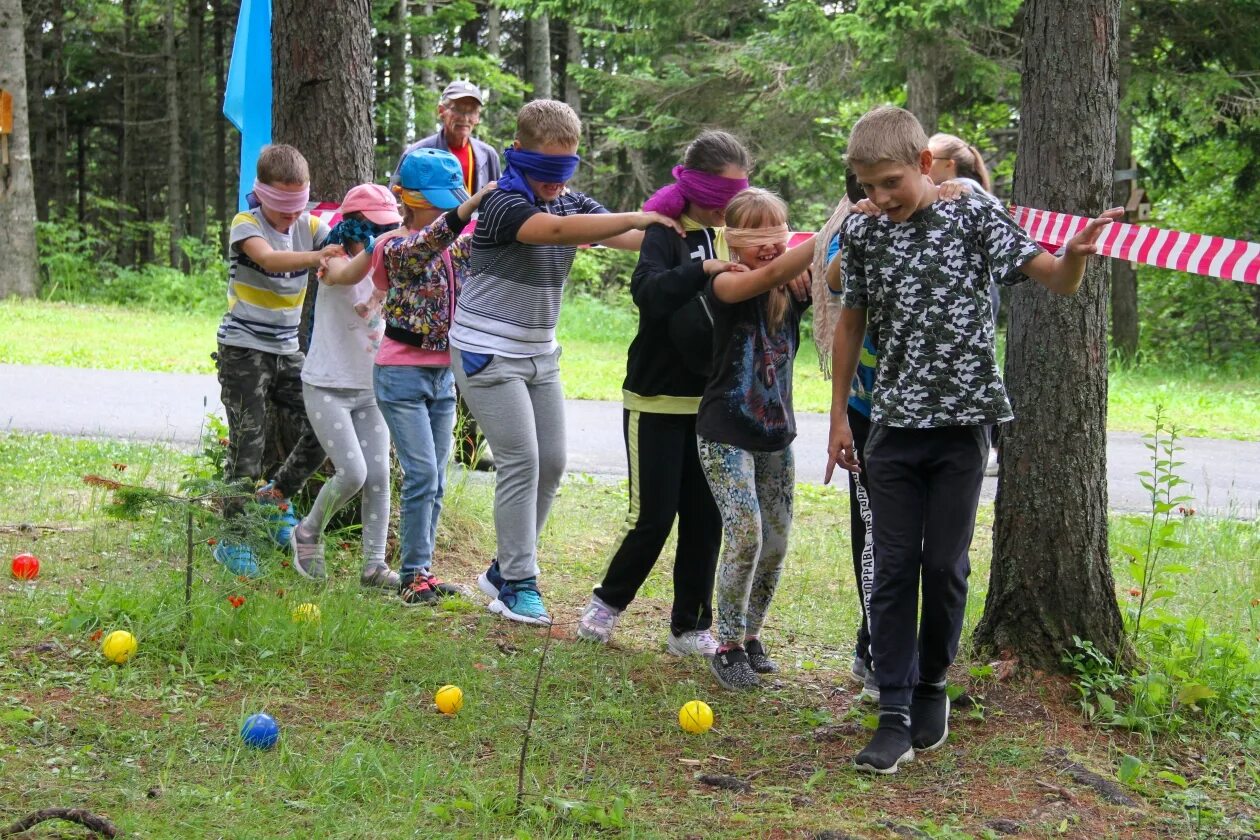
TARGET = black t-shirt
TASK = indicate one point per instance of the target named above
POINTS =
(748, 399)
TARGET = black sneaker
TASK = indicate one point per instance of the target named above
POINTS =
(757, 658)
(929, 716)
(889, 749)
(732, 670)
(441, 588)
(417, 591)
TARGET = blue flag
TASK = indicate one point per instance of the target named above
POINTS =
(247, 98)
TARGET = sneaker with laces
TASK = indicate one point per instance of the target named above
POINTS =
(598, 621)
(441, 587)
(732, 670)
(758, 658)
(308, 557)
(870, 688)
(238, 558)
(417, 592)
(491, 581)
(380, 576)
(692, 643)
(520, 600)
(929, 716)
(282, 521)
(889, 748)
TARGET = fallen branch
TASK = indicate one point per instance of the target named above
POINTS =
(85, 818)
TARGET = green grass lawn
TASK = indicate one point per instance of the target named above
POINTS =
(363, 753)
(1203, 401)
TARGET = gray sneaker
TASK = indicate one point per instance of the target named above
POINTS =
(870, 687)
(308, 557)
(732, 670)
(598, 621)
(692, 643)
(379, 576)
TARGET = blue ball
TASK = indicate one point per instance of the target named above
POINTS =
(260, 731)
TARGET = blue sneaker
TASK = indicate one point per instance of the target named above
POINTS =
(283, 521)
(237, 557)
(521, 601)
(491, 581)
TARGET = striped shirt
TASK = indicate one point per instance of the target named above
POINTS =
(265, 309)
(510, 302)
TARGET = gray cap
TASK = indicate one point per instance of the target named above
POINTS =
(461, 89)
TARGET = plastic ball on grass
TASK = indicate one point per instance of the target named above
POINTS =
(118, 646)
(307, 612)
(449, 699)
(696, 717)
(25, 566)
(260, 731)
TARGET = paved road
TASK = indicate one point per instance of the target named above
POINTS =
(1225, 475)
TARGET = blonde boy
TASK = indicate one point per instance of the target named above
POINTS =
(920, 275)
(271, 249)
(503, 343)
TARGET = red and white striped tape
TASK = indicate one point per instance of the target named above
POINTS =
(1196, 253)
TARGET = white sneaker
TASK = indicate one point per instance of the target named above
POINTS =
(693, 643)
(598, 621)
(991, 468)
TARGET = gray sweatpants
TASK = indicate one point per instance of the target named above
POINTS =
(355, 438)
(519, 405)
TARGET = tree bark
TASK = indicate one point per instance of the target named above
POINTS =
(494, 29)
(174, 140)
(424, 71)
(572, 63)
(220, 195)
(1124, 291)
(923, 80)
(194, 117)
(130, 195)
(538, 56)
(20, 273)
(1051, 576)
(35, 86)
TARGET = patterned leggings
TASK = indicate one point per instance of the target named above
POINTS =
(753, 490)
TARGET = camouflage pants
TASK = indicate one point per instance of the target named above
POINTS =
(253, 382)
(753, 490)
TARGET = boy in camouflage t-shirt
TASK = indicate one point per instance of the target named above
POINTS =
(918, 279)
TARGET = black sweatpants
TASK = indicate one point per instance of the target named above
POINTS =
(860, 538)
(666, 482)
(924, 488)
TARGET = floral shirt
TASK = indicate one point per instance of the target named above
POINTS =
(925, 283)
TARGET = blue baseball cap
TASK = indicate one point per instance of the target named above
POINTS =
(435, 174)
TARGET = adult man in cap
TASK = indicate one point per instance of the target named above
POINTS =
(459, 111)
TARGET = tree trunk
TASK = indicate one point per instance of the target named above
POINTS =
(56, 106)
(572, 63)
(538, 56)
(494, 29)
(1051, 576)
(20, 274)
(219, 155)
(923, 81)
(130, 158)
(35, 87)
(1124, 302)
(194, 117)
(424, 72)
(174, 140)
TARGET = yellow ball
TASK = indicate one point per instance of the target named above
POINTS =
(305, 612)
(119, 646)
(449, 699)
(695, 717)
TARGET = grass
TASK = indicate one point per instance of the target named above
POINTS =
(363, 753)
(1207, 401)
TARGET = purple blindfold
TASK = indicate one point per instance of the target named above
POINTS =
(703, 189)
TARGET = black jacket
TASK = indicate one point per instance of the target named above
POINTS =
(672, 353)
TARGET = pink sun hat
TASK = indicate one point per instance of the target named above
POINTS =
(375, 202)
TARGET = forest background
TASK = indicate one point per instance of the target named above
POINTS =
(135, 168)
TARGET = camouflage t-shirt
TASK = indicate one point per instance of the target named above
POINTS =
(925, 286)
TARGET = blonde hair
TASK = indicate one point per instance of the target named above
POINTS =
(886, 134)
(546, 121)
(967, 158)
(758, 208)
(279, 163)
(826, 305)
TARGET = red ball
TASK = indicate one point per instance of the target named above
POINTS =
(25, 567)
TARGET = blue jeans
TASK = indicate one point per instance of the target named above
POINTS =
(418, 404)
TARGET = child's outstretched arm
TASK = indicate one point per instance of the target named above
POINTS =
(736, 286)
(845, 348)
(585, 228)
(278, 262)
(1063, 274)
(339, 271)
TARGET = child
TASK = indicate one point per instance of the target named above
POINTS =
(745, 428)
(923, 270)
(666, 368)
(337, 387)
(505, 354)
(421, 270)
(271, 249)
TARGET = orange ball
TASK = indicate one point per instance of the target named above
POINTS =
(25, 567)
